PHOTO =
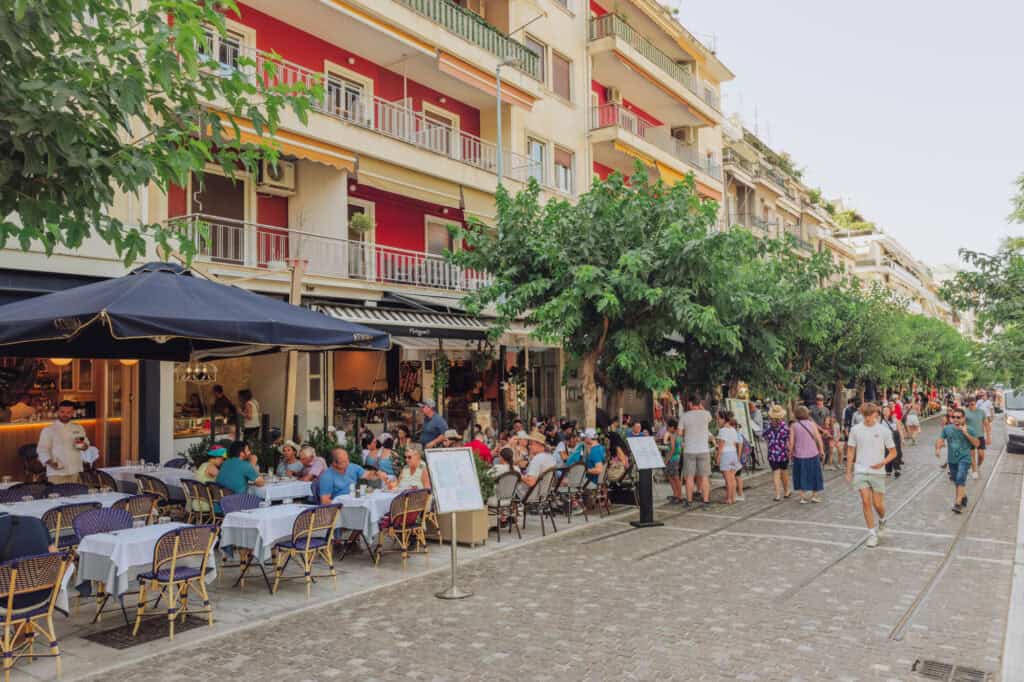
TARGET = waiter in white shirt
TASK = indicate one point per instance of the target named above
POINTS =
(61, 445)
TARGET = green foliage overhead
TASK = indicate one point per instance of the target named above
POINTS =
(98, 96)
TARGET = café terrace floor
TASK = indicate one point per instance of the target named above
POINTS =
(236, 610)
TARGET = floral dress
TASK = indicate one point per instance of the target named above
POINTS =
(777, 435)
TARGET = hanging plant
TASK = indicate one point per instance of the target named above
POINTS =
(442, 372)
(360, 222)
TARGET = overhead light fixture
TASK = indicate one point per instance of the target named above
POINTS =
(129, 362)
(60, 362)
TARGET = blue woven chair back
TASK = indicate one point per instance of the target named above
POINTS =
(181, 543)
(36, 490)
(101, 521)
(69, 489)
(239, 502)
(31, 574)
(176, 463)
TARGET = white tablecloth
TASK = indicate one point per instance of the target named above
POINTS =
(116, 558)
(37, 508)
(281, 490)
(363, 513)
(125, 476)
(259, 529)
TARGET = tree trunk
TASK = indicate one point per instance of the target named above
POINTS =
(838, 404)
(587, 371)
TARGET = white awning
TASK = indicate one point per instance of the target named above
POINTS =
(410, 323)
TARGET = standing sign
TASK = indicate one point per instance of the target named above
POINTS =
(647, 457)
(456, 488)
(741, 409)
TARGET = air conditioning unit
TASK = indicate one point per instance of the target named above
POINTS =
(613, 95)
(279, 179)
(685, 134)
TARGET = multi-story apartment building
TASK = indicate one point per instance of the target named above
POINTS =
(655, 96)
(428, 105)
(764, 193)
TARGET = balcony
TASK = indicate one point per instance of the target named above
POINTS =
(614, 115)
(664, 67)
(753, 222)
(472, 28)
(391, 119)
(252, 245)
(801, 243)
(772, 178)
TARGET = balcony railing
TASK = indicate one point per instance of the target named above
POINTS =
(615, 115)
(613, 25)
(772, 175)
(250, 244)
(390, 118)
(751, 221)
(471, 27)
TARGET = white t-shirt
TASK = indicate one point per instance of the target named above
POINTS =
(695, 438)
(728, 435)
(540, 462)
(986, 405)
(253, 422)
(872, 443)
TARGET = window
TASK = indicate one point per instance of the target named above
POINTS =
(537, 153)
(561, 76)
(222, 49)
(563, 170)
(439, 239)
(345, 98)
(541, 50)
(316, 377)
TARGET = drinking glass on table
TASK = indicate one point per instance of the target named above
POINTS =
(54, 496)
(164, 519)
(27, 498)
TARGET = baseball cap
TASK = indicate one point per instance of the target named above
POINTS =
(452, 434)
(590, 433)
(429, 402)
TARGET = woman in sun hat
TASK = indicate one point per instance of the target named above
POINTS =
(289, 466)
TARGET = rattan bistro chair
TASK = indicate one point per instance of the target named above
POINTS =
(35, 490)
(574, 482)
(174, 578)
(68, 489)
(311, 539)
(60, 522)
(151, 485)
(105, 480)
(505, 501)
(176, 463)
(100, 521)
(404, 522)
(538, 498)
(141, 507)
(30, 586)
(198, 503)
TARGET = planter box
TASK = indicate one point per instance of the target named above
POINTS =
(472, 527)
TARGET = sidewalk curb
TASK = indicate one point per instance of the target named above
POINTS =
(1013, 652)
(444, 567)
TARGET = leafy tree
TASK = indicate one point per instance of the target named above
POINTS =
(609, 278)
(101, 96)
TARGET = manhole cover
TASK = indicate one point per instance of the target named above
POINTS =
(150, 630)
(947, 672)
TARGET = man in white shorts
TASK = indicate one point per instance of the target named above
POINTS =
(869, 448)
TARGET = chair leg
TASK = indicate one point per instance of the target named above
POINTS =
(184, 602)
(497, 513)
(278, 570)
(140, 609)
(307, 567)
(172, 607)
(54, 646)
(206, 600)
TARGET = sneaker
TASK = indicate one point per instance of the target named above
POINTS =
(815, 499)
(896, 474)
(881, 525)
(740, 498)
(963, 503)
(957, 509)
(872, 540)
(803, 500)
(776, 499)
(974, 475)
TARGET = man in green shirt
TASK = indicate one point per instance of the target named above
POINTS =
(977, 422)
(959, 441)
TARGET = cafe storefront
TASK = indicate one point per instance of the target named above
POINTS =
(104, 393)
(443, 356)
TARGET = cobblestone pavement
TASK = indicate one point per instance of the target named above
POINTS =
(757, 591)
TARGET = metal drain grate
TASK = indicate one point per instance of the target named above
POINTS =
(947, 672)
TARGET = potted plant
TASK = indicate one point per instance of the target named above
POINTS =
(360, 222)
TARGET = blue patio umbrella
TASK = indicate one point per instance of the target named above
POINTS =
(162, 311)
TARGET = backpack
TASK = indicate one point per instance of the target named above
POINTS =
(616, 471)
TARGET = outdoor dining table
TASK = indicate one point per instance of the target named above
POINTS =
(116, 558)
(258, 530)
(361, 515)
(283, 490)
(37, 508)
(125, 477)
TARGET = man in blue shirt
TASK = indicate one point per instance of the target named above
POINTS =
(339, 479)
(237, 472)
(434, 425)
(956, 436)
(595, 455)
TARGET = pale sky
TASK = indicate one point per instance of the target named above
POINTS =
(911, 110)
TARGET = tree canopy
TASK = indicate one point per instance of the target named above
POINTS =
(101, 96)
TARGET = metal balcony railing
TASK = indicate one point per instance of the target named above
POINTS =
(253, 245)
(471, 27)
(612, 24)
(615, 115)
(392, 119)
(751, 221)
